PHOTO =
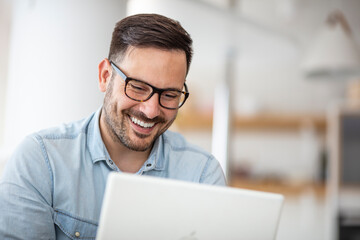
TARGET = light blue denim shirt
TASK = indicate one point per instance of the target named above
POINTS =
(53, 185)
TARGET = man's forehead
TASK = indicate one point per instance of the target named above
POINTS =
(137, 61)
(132, 51)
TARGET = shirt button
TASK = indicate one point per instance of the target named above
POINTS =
(148, 165)
(77, 234)
(111, 162)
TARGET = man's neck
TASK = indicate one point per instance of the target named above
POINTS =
(127, 160)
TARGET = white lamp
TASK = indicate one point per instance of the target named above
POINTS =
(334, 52)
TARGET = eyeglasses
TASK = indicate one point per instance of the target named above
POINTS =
(140, 91)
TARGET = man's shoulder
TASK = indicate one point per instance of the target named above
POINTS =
(177, 142)
(189, 162)
(66, 130)
(51, 140)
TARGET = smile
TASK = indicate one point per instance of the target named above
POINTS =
(141, 123)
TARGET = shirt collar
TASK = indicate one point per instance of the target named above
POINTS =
(99, 152)
(95, 144)
(156, 157)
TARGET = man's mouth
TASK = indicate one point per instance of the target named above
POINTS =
(141, 123)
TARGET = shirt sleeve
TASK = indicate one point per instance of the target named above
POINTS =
(26, 194)
(213, 173)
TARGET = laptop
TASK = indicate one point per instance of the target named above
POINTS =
(143, 207)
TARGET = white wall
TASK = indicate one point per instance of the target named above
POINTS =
(270, 49)
(5, 17)
(55, 48)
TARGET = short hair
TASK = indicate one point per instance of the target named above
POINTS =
(149, 30)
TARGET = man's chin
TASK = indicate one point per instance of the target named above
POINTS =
(142, 136)
(141, 147)
(141, 142)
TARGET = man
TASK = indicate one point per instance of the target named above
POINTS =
(53, 186)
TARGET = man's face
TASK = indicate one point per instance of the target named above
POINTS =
(137, 124)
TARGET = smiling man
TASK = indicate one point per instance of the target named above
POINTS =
(135, 112)
(53, 185)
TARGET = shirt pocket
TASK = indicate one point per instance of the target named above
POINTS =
(73, 227)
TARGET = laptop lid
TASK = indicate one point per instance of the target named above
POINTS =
(143, 207)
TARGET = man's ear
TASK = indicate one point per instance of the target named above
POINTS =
(104, 74)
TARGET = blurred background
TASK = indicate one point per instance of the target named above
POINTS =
(274, 91)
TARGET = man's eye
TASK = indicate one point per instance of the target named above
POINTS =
(171, 95)
(138, 87)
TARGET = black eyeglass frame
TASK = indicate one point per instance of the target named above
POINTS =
(154, 89)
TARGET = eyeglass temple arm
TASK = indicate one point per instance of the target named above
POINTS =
(122, 75)
(186, 88)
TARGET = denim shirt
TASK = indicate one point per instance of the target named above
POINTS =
(53, 185)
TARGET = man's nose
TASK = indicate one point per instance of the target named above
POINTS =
(151, 107)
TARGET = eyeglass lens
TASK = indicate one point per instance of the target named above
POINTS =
(140, 91)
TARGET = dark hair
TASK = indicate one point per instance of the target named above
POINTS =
(149, 30)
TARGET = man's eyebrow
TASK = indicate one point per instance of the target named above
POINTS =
(168, 88)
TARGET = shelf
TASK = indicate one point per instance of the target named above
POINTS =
(281, 187)
(271, 121)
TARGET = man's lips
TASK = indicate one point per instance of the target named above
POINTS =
(141, 123)
(141, 126)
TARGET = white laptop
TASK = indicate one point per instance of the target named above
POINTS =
(142, 207)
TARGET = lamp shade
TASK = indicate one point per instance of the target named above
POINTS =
(334, 53)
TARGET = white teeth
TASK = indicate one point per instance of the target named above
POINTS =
(142, 124)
